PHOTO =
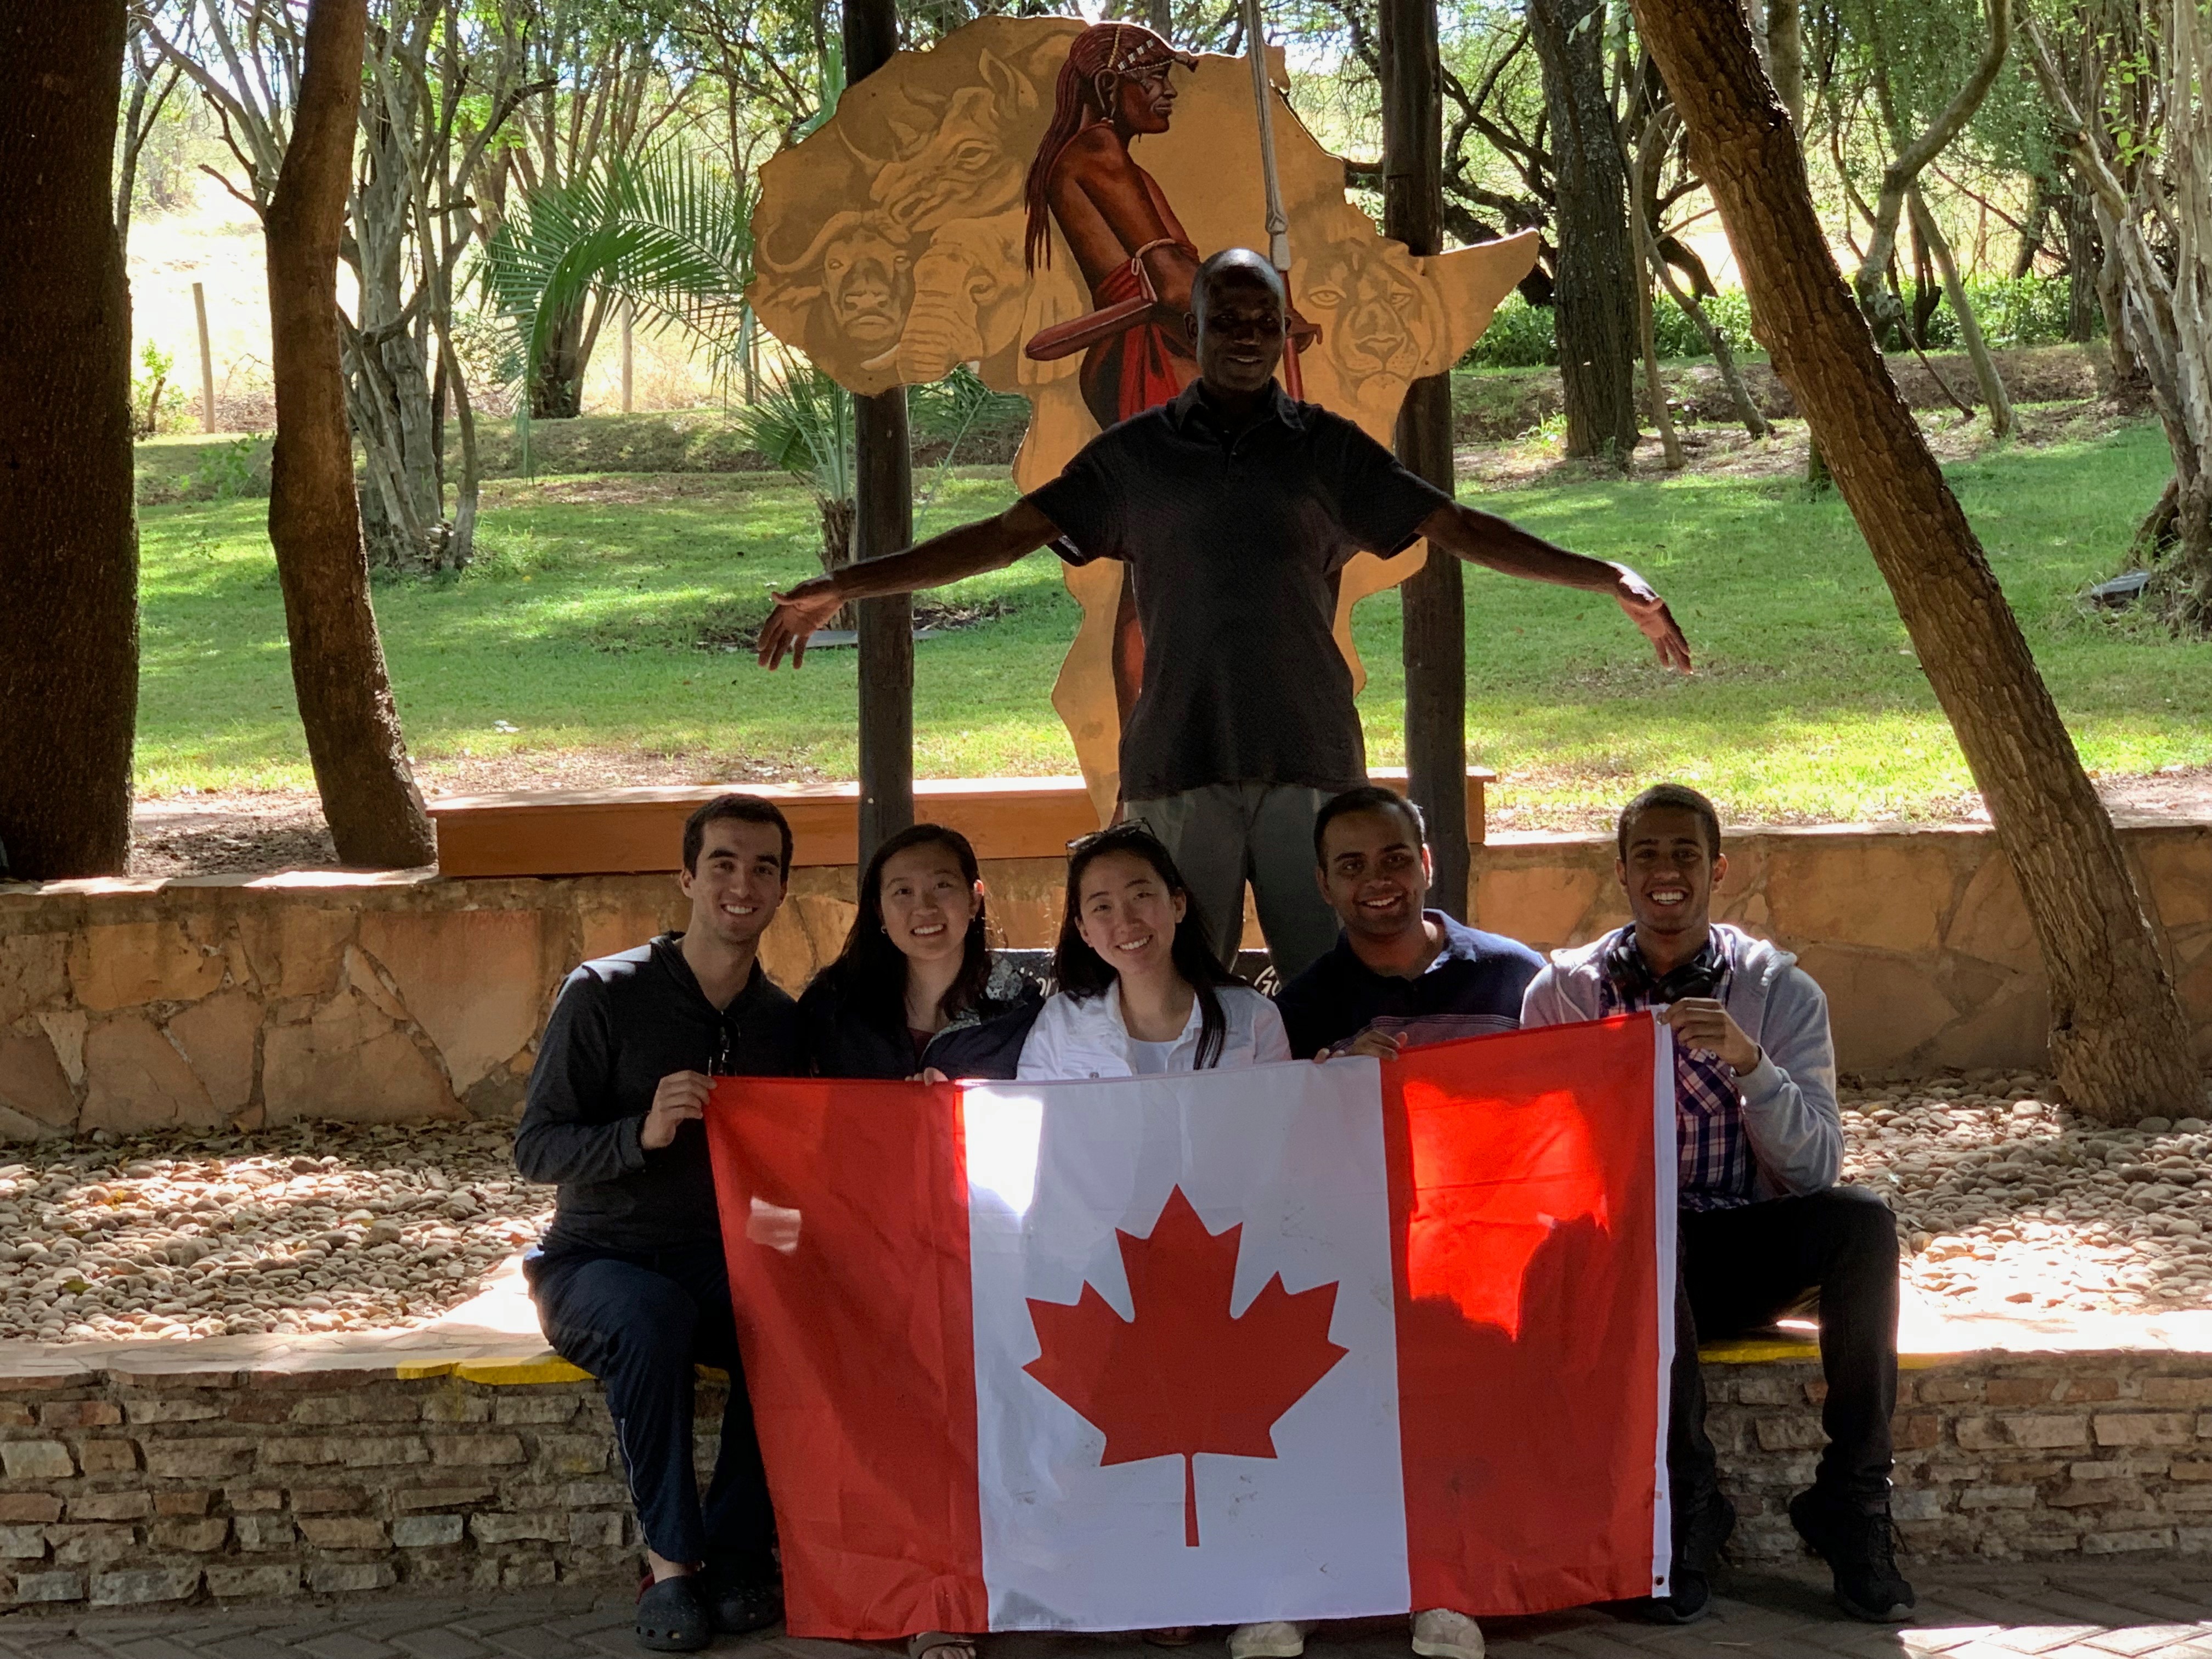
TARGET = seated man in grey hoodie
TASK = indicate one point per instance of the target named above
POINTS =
(1763, 1227)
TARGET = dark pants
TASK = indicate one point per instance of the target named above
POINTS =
(1744, 1268)
(1223, 835)
(639, 1323)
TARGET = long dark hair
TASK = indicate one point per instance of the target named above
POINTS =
(1083, 973)
(872, 971)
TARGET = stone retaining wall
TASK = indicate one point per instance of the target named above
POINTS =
(133, 1005)
(124, 1489)
(1998, 1456)
(1918, 936)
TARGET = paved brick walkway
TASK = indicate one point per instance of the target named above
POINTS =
(2073, 1612)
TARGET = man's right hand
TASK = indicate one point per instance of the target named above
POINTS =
(681, 1098)
(796, 615)
(1371, 1043)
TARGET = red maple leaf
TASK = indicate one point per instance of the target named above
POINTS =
(1182, 1376)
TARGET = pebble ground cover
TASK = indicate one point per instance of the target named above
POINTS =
(310, 1228)
(2007, 1202)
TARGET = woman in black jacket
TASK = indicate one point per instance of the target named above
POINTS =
(915, 987)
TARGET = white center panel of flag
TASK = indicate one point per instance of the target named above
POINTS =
(1086, 1402)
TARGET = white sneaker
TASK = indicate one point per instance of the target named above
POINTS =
(1277, 1638)
(1440, 1633)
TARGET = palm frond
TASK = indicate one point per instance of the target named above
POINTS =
(667, 236)
(802, 422)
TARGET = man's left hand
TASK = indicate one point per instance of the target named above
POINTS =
(1650, 615)
(1703, 1024)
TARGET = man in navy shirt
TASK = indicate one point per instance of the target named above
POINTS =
(1400, 975)
(1234, 511)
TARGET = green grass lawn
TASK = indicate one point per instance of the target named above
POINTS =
(581, 626)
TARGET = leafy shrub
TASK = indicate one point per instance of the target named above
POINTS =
(156, 405)
(232, 470)
(1519, 336)
(2027, 310)
(2023, 311)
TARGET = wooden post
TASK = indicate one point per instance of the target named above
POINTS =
(207, 362)
(1434, 638)
(628, 361)
(883, 522)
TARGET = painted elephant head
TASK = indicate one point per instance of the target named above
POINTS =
(968, 297)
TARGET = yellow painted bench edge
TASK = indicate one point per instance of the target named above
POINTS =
(541, 1367)
(1758, 1351)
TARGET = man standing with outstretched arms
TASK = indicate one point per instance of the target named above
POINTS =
(1234, 509)
(631, 1280)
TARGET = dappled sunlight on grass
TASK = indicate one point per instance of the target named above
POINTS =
(581, 626)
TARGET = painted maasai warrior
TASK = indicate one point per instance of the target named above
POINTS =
(1131, 249)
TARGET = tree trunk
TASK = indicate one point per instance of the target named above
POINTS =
(1432, 635)
(388, 363)
(1642, 184)
(1785, 57)
(460, 549)
(1670, 441)
(1913, 154)
(836, 514)
(68, 536)
(2002, 423)
(556, 382)
(2131, 389)
(2046, 199)
(2084, 259)
(389, 404)
(1717, 341)
(369, 792)
(126, 170)
(883, 522)
(1594, 304)
(2121, 1042)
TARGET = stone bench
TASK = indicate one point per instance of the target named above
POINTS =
(468, 1456)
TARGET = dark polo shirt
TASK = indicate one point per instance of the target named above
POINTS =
(1474, 987)
(620, 1024)
(1236, 545)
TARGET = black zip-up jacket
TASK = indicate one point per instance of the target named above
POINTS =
(838, 1041)
(620, 1024)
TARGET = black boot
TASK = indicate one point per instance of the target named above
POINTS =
(1860, 1549)
(672, 1617)
(1699, 1538)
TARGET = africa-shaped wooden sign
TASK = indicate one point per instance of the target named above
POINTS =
(1023, 197)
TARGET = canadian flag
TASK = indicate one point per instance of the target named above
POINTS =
(1293, 1341)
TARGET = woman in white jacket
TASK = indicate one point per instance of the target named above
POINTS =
(1138, 992)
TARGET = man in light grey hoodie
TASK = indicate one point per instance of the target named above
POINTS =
(1765, 1227)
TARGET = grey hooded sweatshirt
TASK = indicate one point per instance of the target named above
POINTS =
(1788, 1097)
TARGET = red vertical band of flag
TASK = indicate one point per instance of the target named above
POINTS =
(857, 1345)
(1523, 1239)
